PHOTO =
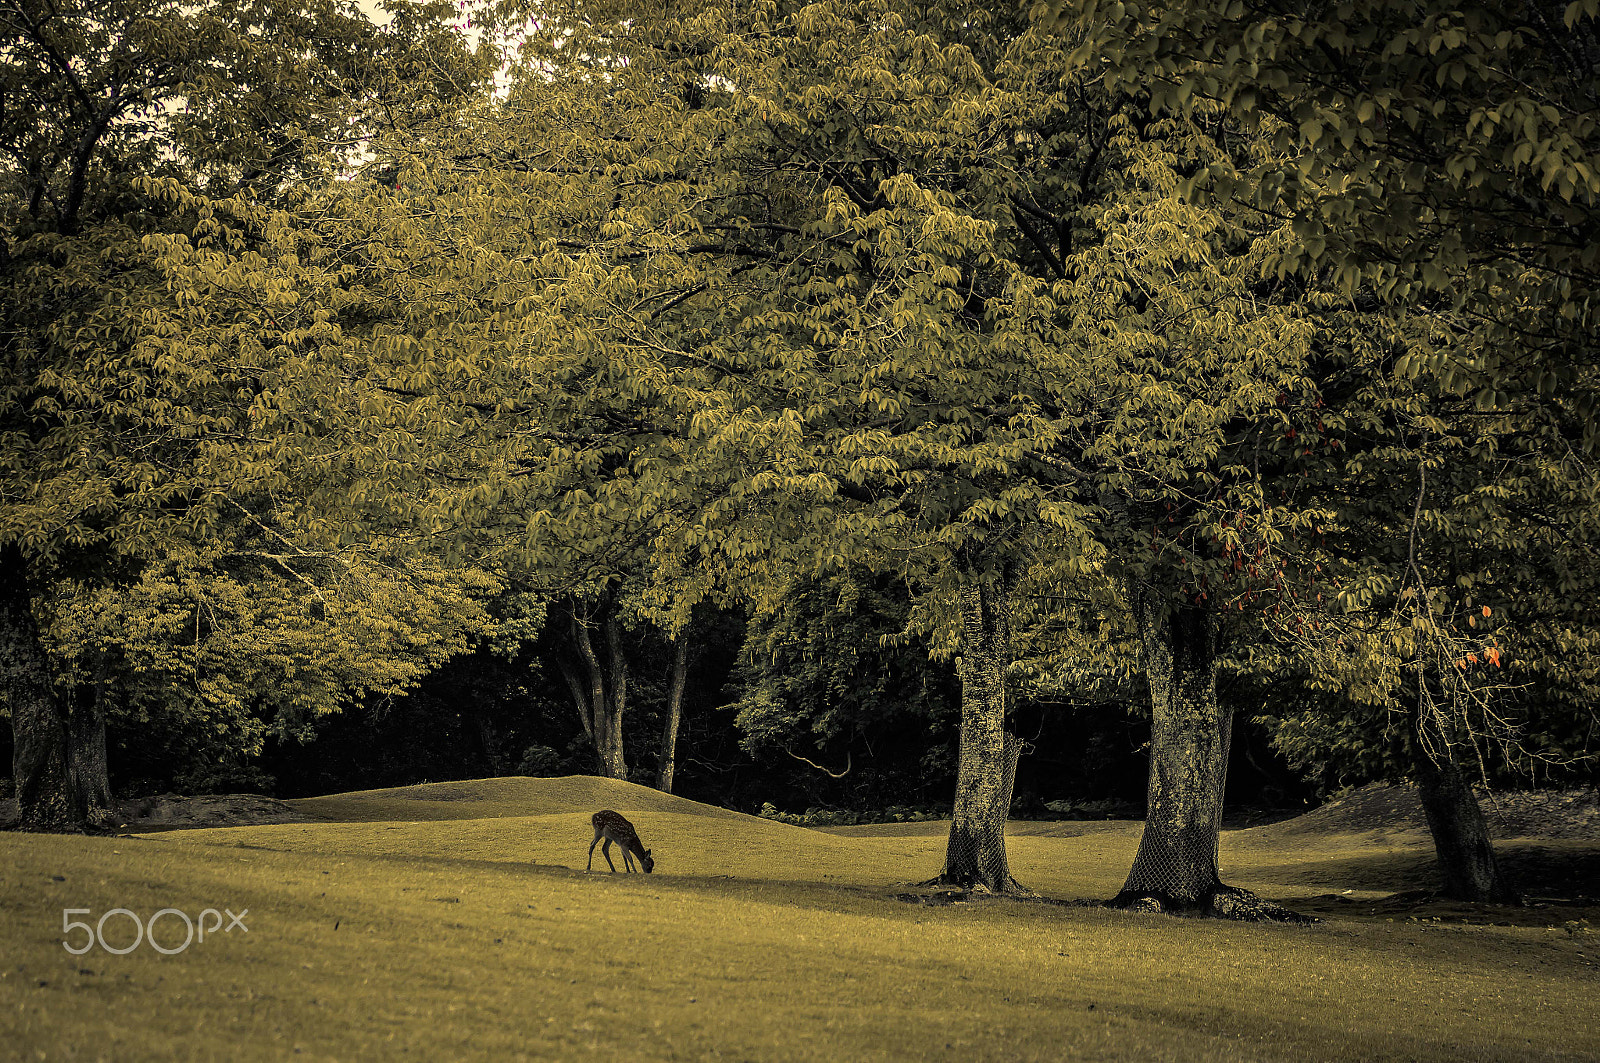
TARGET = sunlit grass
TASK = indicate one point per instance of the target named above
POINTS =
(424, 932)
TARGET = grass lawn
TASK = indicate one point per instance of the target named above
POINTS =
(454, 921)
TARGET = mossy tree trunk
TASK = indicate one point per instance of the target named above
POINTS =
(1460, 834)
(669, 730)
(986, 769)
(59, 743)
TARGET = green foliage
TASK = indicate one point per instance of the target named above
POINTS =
(256, 651)
(539, 761)
(736, 302)
(730, 300)
(143, 509)
(1427, 153)
(115, 436)
(913, 298)
(1437, 165)
(833, 665)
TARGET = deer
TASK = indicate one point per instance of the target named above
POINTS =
(613, 828)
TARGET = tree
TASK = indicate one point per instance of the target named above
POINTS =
(239, 649)
(1473, 571)
(1437, 163)
(122, 125)
(523, 380)
(593, 643)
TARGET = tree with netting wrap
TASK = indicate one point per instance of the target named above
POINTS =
(975, 856)
(1176, 867)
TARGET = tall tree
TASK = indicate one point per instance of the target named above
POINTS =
(122, 123)
(1439, 164)
(667, 762)
(781, 294)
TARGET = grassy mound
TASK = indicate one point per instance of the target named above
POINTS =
(1559, 814)
(545, 822)
(499, 798)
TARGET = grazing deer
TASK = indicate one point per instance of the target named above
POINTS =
(613, 828)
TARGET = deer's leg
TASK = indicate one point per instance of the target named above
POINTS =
(627, 858)
(605, 851)
(590, 865)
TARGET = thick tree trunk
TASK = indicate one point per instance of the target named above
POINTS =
(1460, 834)
(59, 757)
(976, 853)
(1176, 866)
(669, 729)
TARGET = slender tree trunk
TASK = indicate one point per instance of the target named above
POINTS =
(1460, 834)
(602, 693)
(598, 701)
(86, 740)
(489, 742)
(59, 756)
(617, 704)
(976, 853)
(580, 695)
(669, 730)
(1176, 865)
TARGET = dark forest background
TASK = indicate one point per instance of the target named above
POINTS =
(878, 726)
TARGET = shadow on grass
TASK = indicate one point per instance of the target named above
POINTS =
(1559, 883)
(1568, 873)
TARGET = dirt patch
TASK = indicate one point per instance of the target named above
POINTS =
(1573, 814)
(174, 812)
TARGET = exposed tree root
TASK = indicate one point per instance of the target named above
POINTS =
(966, 885)
(1221, 902)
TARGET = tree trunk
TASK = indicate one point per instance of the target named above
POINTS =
(617, 704)
(669, 730)
(59, 755)
(976, 853)
(86, 742)
(1008, 784)
(580, 695)
(604, 698)
(489, 743)
(1460, 834)
(1176, 866)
